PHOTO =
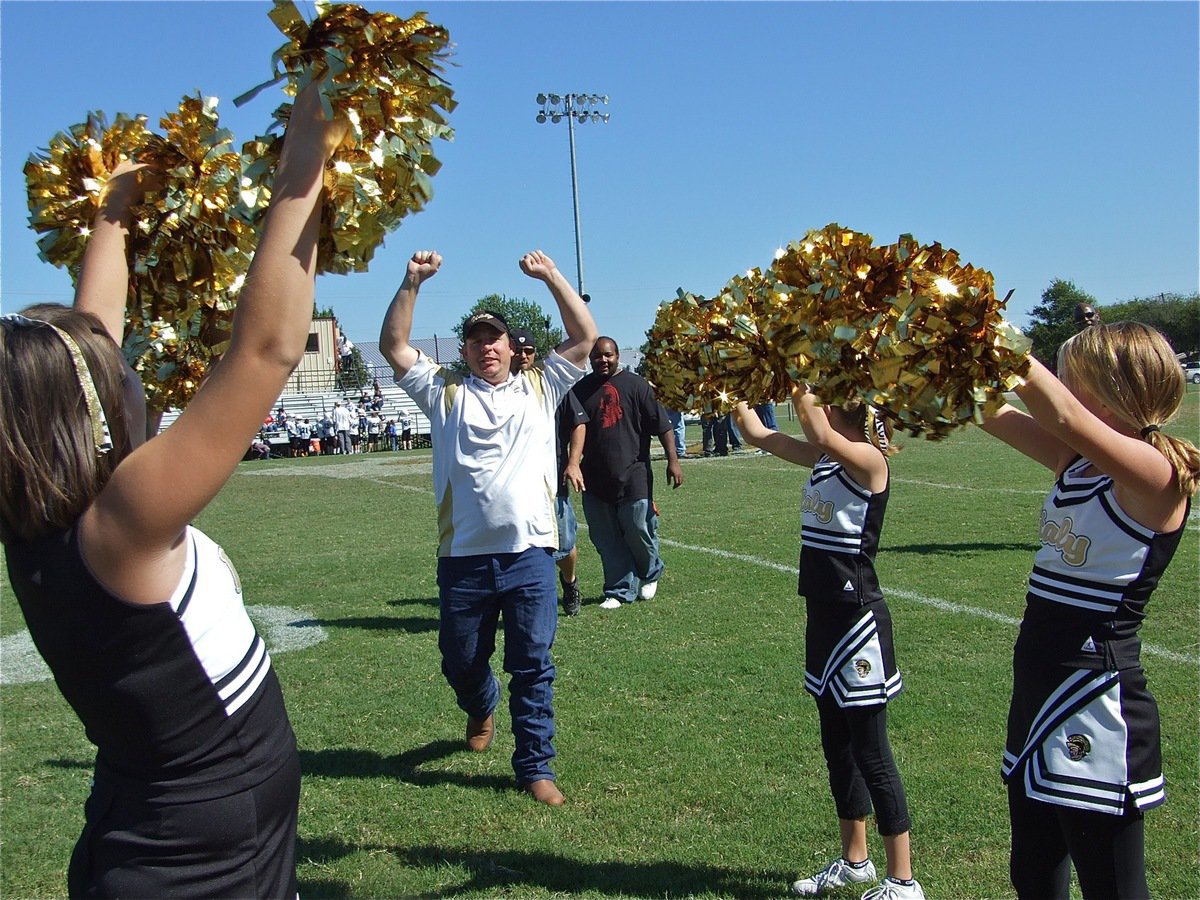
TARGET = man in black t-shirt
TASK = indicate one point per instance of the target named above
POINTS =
(615, 477)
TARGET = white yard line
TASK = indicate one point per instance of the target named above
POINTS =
(935, 602)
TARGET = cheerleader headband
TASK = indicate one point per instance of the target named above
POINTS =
(101, 437)
(874, 423)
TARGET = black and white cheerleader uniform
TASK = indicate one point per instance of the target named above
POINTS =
(1083, 728)
(850, 663)
(848, 644)
(197, 778)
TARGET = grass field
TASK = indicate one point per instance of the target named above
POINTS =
(688, 750)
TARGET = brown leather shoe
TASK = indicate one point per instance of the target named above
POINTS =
(545, 791)
(480, 732)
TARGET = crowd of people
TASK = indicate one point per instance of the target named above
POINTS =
(140, 616)
(350, 427)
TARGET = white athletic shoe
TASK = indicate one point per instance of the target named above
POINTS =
(648, 590)
(891, 889)
(611, 603)
(835, 875)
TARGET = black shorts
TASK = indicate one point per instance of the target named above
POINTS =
(242, 845)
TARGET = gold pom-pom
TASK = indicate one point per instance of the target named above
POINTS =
(193, 244)
(189, 246)
(672, 360)
(947, 355)
(706, 355)
(64, 183)
(825, 307)
(381, 72)
(172, 358)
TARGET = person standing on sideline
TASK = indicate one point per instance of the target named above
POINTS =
(404, 422)
(494, 483)
(850, 661)
(138, 614)
(343, 423)
(679, 429)
(569, 415)
(524, 350)
(615, 474)
(1083, 758)
(1085, 315)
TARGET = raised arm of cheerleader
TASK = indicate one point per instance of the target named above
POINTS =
(1145, 482)
(776, 443)
(862, 459)
(132, 534)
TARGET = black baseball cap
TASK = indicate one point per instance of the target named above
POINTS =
(523, 338)
(485, 318)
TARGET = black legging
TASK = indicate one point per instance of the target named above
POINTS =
(862, 771)
(1108, 851)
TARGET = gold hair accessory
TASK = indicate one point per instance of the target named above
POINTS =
(101, 437)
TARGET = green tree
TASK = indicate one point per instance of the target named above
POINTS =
(1053, 319)
(518, 313)
(1177, 316)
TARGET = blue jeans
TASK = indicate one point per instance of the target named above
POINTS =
(475, 591)
(568, 526)
(626, 537)
(766, 414)
(680, 429)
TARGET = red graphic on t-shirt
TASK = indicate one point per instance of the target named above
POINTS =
(610, 406)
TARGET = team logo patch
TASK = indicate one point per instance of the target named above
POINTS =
(862, 667)
(1078, 746)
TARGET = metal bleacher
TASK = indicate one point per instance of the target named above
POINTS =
(314, 403)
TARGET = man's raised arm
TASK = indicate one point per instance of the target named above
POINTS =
(397, 323)
(577, 319)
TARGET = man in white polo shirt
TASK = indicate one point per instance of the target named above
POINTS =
(494, 481)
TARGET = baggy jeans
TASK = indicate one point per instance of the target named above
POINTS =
(475, 592)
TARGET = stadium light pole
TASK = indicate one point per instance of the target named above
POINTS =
(573, 107)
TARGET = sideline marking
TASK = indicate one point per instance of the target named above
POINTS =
(936, 603)
(283, 628)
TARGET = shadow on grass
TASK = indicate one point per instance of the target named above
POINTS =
(406, 767)
(506, 871)
(71, 763)
(964, 548)
(410, 625)
(433, 602)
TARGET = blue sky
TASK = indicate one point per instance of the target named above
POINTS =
(1041, 140)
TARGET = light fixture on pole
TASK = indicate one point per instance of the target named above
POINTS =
(581, 108)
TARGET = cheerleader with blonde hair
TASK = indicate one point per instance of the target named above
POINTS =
(1083, 759)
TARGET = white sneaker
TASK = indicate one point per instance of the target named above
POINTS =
(611, 603)
(835, 875)
(648, 590)
(891, 889)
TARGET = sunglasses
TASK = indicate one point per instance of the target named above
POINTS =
(528, 351)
